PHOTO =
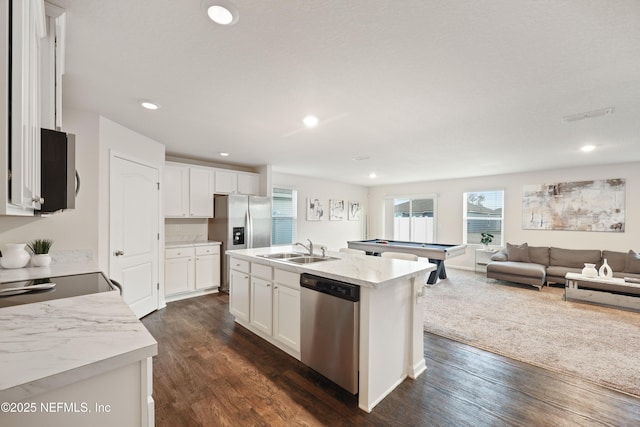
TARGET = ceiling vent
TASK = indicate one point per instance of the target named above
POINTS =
(588, 115)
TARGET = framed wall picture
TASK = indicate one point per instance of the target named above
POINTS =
(336, 210)
(354, 210)
(315, 209)
(597, 205)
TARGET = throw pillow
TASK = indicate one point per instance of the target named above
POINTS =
(633, 262)
(518, 252)
(499, 256)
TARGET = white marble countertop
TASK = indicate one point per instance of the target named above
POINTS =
(361, 270)
(48, 345)
(183, 244)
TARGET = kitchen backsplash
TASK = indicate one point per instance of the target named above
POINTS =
(185, 230)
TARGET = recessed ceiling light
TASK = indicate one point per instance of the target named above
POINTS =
(220, 11)
(223, 154)
(310, 121)
(149, 105)
(587, 148)
(372, 175)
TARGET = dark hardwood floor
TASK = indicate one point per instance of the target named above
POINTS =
(212, 372)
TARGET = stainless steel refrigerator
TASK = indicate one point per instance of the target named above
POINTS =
(239, 222)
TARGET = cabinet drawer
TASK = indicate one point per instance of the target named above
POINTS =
(179, 252)
(208, 250)
(259, 270)
(239, 265)
(287, 278)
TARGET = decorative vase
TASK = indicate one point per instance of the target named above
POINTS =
(41, 260)
(605, 270)
(589, 270)
(14, 255)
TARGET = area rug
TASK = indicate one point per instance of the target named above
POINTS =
(600, 344)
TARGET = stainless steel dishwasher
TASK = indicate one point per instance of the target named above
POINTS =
(329, 324)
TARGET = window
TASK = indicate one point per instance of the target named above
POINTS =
(483, 213)
(413, 219)
(284, 209)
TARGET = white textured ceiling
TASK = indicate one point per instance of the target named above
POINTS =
(428, 89)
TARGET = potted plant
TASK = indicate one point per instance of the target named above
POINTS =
(486, 239)
(40, 249)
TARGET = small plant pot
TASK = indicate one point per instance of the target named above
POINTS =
(41, 260)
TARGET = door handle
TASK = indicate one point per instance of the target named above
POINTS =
(118, 253)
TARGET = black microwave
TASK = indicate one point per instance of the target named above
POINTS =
(58, 171)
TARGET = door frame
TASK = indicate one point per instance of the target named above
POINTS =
(160, 242)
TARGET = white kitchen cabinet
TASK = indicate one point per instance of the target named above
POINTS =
(191, 271)
(261, 305)
(286, 315)
(188, 191)
(239, 291)
(207, 267)
(27, 19)
(267, 302)
(53, 65)
(233, 182)
(179, 266)
(248, 183)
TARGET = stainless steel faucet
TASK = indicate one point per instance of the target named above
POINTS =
(308, 248)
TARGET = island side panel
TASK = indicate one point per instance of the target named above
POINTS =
(417, 364)
(386, 346)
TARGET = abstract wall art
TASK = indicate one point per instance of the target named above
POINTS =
(597, 205)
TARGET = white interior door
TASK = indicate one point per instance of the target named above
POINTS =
(134, 239)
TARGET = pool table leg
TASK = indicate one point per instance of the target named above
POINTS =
(439, 272)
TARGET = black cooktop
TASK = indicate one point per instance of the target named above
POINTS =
(65, 287)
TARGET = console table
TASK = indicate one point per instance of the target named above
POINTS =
(614, 292)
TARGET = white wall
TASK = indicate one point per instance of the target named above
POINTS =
(117, 139)
(333, 234)
(449, 206)
(75, 229)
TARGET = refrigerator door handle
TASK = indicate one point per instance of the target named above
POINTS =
(249, 226)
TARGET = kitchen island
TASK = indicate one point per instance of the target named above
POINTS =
(265, 298)
(83, 360)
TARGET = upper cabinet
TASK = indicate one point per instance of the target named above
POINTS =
(52, 64)
(188, 191)
(24, 76)
(234, 182)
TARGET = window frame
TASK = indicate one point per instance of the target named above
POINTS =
(466, 218)
(294, 211)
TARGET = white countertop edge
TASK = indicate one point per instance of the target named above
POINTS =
(187, 244)
(324, 268)
(62, 379)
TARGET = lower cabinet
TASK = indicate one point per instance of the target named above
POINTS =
(266, 301)
(188, 271)
(239, 290)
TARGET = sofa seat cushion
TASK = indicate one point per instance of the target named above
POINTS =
(573, 257)
(557, 273)
(515, 268)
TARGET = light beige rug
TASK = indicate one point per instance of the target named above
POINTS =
(597, 343)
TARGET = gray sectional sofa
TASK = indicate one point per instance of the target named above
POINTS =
(540, 265)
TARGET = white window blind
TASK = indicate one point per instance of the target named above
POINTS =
(284, 216)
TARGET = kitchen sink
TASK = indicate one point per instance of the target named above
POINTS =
(283, 255)
(309, 259)
(296, 257)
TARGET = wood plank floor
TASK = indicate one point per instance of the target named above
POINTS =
(212, 372)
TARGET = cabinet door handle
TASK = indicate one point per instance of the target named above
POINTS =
(118, 252)
(37, 199)
(268, 285)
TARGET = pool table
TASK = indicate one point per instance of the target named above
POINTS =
(437, 253)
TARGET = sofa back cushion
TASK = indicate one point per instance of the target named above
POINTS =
(519, 253)
(539, 255)
(633, 262)
(573, 257)
(616, 260)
